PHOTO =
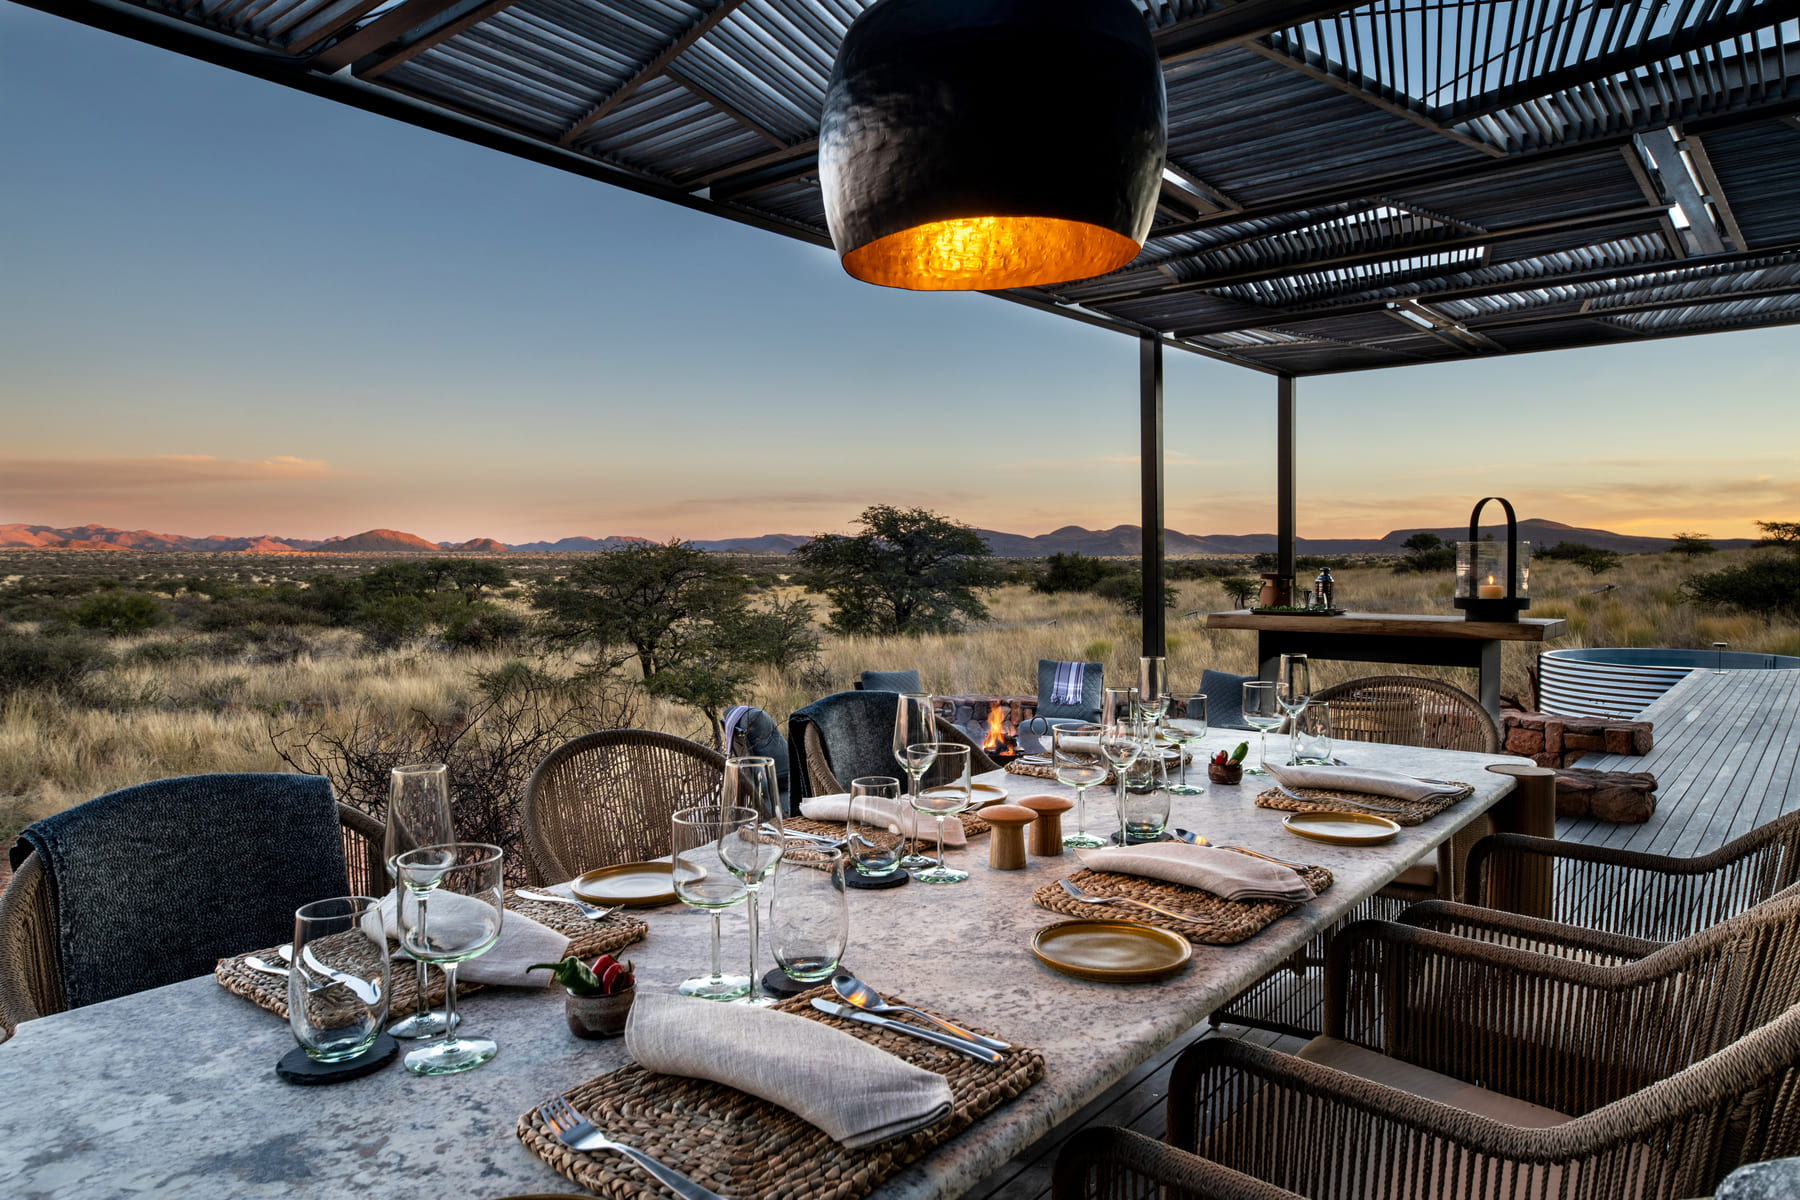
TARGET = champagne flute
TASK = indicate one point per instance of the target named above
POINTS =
(1263, 714)
(945, 798)
(1293, 691)
(1120, 746)
(1075, 757)
(1188, 729)
(751, 851)
(1117, 704)
(915, 734)
(418, 814)
(703, 882)
(452, 903)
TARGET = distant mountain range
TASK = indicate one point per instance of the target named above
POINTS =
(1120, 540)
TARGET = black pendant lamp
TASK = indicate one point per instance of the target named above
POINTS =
(979, 144)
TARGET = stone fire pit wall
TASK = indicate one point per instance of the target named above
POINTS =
(1623, 797)
(970, 713)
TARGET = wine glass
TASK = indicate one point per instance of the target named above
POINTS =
(946, 797)
(809, 919)
(1295, 684)
(702, 882)
(452, 902)
(1263, 714)
(872, 833)
(1120, 747)
(1153, 690)
(915, 735)
(1188, 729)
(750, 851)
(1075, 758)
(1117, 704)
(418, 814)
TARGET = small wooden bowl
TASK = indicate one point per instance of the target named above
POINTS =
(1006, 844)
(1229, 773)
(1046, 831)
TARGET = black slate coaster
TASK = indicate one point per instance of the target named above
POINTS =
(893, 879)
(777, 983)
(296, 1066)
(1168, 835)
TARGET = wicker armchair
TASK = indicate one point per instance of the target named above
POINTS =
(1103, 1163)
(31, 983)
(607, 797)
(1460, 1068)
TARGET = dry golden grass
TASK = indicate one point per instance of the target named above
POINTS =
(196, 715)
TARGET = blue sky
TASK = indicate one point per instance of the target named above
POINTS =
(226, 307)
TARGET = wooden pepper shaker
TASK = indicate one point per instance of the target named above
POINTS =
(1006, 845)
(1046, 831)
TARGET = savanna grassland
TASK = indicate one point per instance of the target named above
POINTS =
(216, 672)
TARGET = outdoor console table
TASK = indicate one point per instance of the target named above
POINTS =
(1414, 639)
(172, 1092)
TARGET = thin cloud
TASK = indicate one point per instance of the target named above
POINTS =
(85, 477)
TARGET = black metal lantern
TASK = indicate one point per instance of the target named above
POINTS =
(1493, 578)
(981, 144)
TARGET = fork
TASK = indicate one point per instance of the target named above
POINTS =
(1076, 893)
(1293, 795)
(591, 912)
(578, 1133)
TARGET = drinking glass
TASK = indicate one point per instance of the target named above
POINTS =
(418, 814)
(1263, 714)
(809, 920)
(751, 851)
(1075, 758)
(1145, 812)
(1153, 689)
(1120, 746)
(702, 882)
(872, 833)
(915, 733)
(948, 795)
(1188, 729)
(338, 985)
(1312, 735)
(452, 902)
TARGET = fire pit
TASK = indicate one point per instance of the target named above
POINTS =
(992, 722)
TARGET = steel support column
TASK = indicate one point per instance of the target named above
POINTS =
(1150, 427)
(1287, 502)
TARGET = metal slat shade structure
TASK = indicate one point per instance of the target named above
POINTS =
(1348, 186)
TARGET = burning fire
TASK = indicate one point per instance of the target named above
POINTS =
(996, 731)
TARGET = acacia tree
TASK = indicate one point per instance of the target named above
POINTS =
(1689, 544)
(909, 571)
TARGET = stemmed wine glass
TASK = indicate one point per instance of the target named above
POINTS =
(452, 902)
(949, 795)
(1188, 729)
(703, 882)
(1153, 691)
(1075, 757)
(1295, 687)
(418, 814)
(1262, 714)
(1117, 704)
(915, 739)
(1120, 746)
(750, 851)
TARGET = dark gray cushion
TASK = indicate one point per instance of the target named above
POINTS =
(756, 731)
(891, 681)
(1093, 691)
(154, 884)
(1224, 699)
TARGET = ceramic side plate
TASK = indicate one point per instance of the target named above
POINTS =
(1341, 828)
(1111, 951)
(635, 885)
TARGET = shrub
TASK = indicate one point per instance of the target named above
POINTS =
(1073, 573)
(1128, 591)
(115, 613)
(1241, 589)
(38, 661)
(483, 627)
(1766, 583)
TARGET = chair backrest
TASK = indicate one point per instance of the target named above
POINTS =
(607, 797)
(754, 731)
(1224, 698)
(841, 737)
(1408, 710)
(1093, 692)
(889, 681)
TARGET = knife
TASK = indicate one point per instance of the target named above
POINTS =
(368, 993)
(946, 1040)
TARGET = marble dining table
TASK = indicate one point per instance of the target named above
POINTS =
(172, 1092)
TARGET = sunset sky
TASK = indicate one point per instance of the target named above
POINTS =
(229, 308)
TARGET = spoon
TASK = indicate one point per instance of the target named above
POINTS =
(860, 995)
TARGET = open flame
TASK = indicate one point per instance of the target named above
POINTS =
(996, 730)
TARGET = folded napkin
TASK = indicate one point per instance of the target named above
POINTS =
(1360, 779)
(1092, 746)
(522, 940)
(1224, 873)
(902, 817)
(857, 1093)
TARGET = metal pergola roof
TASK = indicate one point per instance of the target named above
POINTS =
(1349, 186)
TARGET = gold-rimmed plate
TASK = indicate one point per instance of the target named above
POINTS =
(634, 885)
(1341, 828)
(1111, 951)
(983, 794)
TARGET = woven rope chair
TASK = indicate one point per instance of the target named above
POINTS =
(1103, 1163)
(1400, 710)
(607, 797)
(31, 984)
(821, 782)
(1669, 1071)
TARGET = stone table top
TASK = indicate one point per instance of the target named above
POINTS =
(172, 1092)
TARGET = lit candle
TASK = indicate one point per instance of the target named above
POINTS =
(1490, 591)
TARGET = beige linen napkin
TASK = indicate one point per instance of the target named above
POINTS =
(856, 1093)
(1368, 780)
(1088, 745)
(835, 808)
(522, 940)
(1222, 872)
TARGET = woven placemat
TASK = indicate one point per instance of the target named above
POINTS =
(973, 827)
(749, 1149)
(587, 939)
(1401, 812)
(1046, 771)
(1229, 921)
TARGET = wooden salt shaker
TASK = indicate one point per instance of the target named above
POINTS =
(1006, 845)
(1046, 831)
